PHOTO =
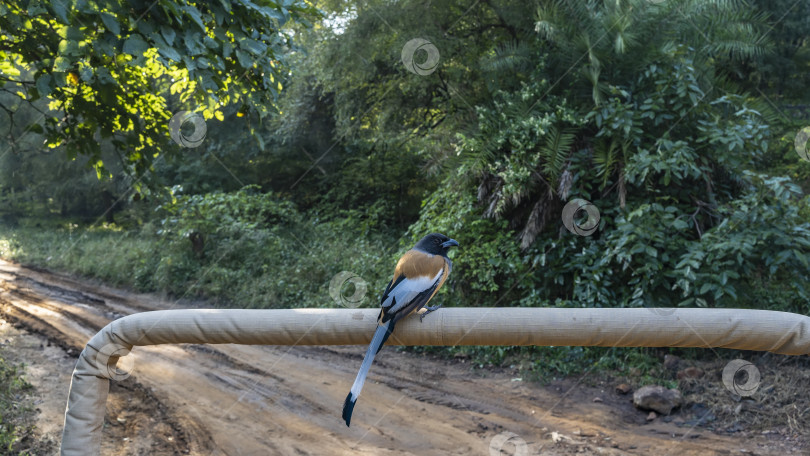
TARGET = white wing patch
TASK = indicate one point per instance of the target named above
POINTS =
(406, 290)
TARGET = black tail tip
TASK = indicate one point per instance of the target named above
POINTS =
(348, 408)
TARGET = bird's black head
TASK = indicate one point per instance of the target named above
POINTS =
(436, 244)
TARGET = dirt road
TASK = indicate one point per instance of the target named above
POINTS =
(263, 400)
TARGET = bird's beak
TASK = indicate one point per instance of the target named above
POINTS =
(450, 243)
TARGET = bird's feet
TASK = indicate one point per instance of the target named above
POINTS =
(426, 310)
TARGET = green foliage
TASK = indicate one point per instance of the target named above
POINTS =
(669, 117)
(659, 125)
(606, 43)
(256, 251)
(13, 408)
(116, 70)
(487, 262)
(782, 75)
(224, 214)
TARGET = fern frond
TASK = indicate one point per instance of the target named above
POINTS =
(509, 56)
(604, 156)
(555, 152)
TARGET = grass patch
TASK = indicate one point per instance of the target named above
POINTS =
(16, 413)
(284, 265)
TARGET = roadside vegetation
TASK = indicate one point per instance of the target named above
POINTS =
(677, 120)
(16, 424)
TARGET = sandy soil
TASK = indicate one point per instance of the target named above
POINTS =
(260, 400)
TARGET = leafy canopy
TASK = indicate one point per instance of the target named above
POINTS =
(116, 70)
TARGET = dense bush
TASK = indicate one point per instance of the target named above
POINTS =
(258, 251)
(674, 166)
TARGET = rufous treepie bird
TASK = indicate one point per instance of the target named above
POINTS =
(418, 276)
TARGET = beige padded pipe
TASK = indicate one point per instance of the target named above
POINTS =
(761, 330)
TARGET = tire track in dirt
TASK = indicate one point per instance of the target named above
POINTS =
(245, 400)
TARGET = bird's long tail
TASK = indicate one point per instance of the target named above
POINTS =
(380, 336)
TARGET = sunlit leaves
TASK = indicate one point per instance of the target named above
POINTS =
(117, 70)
